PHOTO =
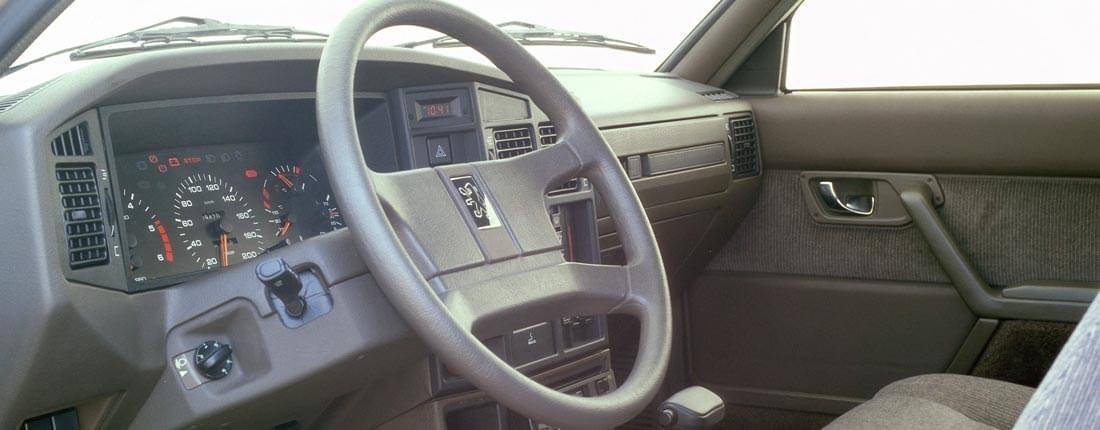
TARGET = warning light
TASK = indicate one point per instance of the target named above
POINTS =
(250, 173)
(162, 168)
(173, 161)
(153, 159)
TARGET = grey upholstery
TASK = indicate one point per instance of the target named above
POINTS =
(940, 402)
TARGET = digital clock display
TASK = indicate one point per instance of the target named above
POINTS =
(437, 109)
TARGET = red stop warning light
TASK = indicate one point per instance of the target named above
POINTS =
(250, 173)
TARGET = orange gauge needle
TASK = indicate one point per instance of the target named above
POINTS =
(286, 181)
(285, 228)
(224, 242)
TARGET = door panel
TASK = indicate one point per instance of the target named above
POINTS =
(806, 316)
(819, 343)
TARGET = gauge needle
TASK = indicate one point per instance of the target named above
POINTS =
(285, 228)
(286, 181)
(224, 242)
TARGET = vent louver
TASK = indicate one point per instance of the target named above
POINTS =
(512, 141)
(73, 142)
(718, 95)
(66, 419)
(9, 102)
(548, 135)
(83, 215)
(744, 146)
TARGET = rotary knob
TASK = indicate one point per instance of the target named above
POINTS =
(214, 359)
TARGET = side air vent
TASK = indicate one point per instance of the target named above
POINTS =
(73, 142)
(718, 95)
(61, 420)
(548, 135)
(744, 146)
(83, 215)
(513, 141)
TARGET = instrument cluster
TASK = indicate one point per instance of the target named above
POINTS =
(202, 208)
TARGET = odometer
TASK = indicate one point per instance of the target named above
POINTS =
(217, 227)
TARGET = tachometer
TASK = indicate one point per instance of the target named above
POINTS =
(148, 241)
(216, 225)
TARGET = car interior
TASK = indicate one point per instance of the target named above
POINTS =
(285, 229)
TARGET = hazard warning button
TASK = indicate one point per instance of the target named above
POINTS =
(439, 150)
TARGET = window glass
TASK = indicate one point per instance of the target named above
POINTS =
(921, 43)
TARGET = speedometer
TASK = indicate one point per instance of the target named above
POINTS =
(217, 227)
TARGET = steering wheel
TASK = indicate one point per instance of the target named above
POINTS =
(469, 249)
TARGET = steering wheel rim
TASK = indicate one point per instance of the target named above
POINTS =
(447, 308)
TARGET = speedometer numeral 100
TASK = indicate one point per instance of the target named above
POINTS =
(216, 225)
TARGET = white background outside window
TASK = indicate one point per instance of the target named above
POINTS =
(913, 43)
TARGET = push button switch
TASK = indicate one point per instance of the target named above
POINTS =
(530, 344)
(439, 150)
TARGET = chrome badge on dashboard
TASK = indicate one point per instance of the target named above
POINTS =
(479, 208)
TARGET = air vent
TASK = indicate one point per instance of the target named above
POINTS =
(513, 141)
(73, 142)
(83, 215)
(61, 420)
(718, 95)
(9, 102)
(744, 146)
(548, 135)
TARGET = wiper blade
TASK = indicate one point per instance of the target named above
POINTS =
(157, 35)
(532, 34)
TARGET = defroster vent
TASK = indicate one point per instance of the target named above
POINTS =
(82, 215)
(744, 146)
(513, 141)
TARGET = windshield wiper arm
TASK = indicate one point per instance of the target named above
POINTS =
(532, 34)
(153, 35)
(203, 27)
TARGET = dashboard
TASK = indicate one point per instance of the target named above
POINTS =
(143, 191)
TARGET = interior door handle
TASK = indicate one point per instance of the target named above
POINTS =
(853, 204)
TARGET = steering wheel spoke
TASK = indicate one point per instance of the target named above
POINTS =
(500, 304)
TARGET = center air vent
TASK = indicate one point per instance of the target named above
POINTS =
(83, 215)
(548, 135)
(512, 141)
(744, 146)
(73, 142)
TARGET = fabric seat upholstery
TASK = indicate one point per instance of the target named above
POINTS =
(939, 401)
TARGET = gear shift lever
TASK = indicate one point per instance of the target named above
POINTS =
(693, 408)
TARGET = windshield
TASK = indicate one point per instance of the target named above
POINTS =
(659, 26)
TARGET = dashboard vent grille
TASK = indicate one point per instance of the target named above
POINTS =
(73, 142)
(548, 135)
(9, 102)
(744, 146)
(83, 215)
(66, 419)
(718, 95)
(513, 141)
